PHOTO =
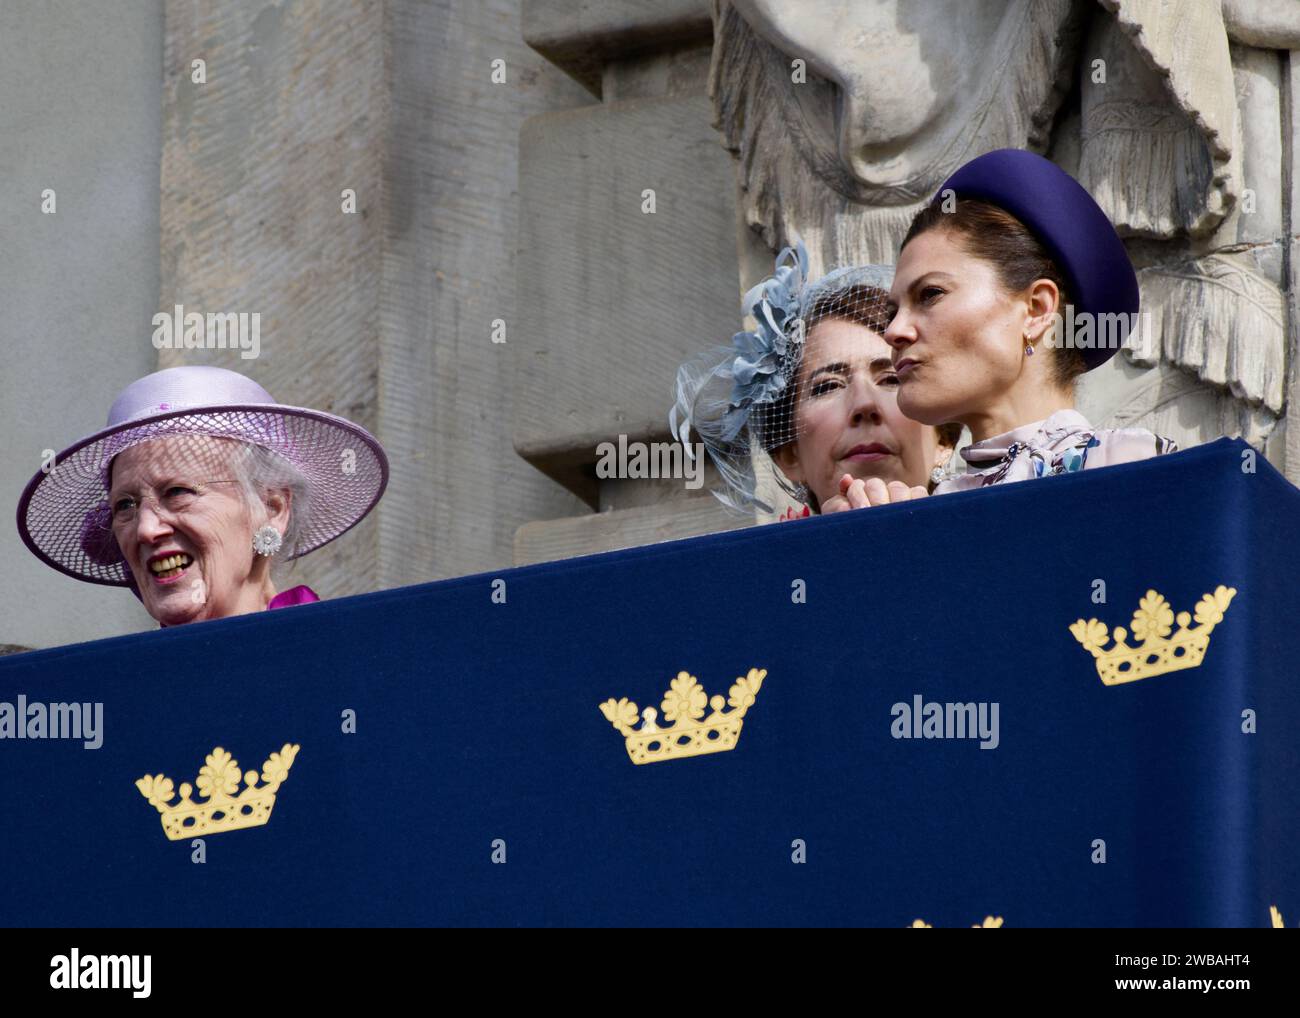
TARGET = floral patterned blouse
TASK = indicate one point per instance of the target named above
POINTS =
(1062, 444)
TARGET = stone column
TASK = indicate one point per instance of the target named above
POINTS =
(1291, 181)
(383, 314)
(79, 101)
(627, 264)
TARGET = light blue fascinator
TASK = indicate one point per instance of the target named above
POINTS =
(742, 397)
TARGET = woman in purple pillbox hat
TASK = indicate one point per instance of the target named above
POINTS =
(1009, 285)
(196, 490)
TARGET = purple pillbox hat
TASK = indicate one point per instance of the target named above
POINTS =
(1067, 222)
(64, 516)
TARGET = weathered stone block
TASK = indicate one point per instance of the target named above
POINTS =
(548, 540)
(581, 38)
(611, 296)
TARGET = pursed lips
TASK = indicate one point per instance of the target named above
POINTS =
(865, 453)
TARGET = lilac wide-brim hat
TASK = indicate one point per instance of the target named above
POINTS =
(64, 517)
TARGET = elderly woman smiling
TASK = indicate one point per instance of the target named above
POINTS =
(198, 491)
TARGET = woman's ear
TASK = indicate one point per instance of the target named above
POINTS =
(1044, 301)
(787, 459)
(278, 502)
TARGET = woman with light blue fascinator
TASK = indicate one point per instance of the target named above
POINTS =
(813, 386)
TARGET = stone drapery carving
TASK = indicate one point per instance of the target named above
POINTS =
(1179, 138)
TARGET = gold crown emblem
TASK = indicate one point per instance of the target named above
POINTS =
(218, 782)
(691, 733)
(1159, 652)
(990, 923)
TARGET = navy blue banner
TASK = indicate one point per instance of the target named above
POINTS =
(927, 741)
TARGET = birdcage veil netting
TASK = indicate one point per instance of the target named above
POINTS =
(746, 397)
(68, 519)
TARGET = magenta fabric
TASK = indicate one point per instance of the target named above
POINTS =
(301, 594)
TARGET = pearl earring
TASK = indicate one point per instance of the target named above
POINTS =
(267, 540)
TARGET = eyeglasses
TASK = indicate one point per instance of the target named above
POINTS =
(173, 501)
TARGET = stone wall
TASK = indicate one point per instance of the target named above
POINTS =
(384, 316)
(79, 102)
(612, 296)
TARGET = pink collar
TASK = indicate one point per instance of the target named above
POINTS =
(301, 594)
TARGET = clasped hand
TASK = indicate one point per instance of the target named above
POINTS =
(862, 493)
